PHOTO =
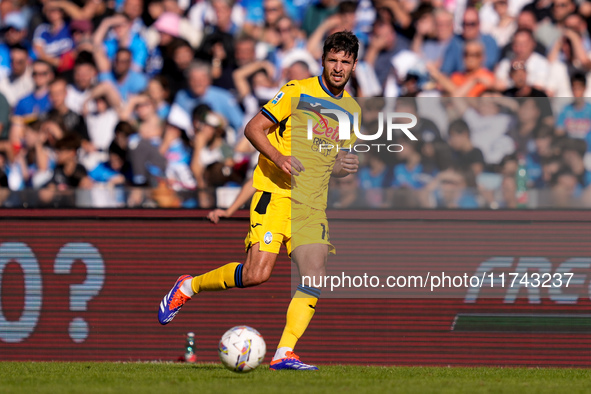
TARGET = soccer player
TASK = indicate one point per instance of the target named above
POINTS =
(289, 204)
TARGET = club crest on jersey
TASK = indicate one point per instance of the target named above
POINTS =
(268, 237)
(277, 98)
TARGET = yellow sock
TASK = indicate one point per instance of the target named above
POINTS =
(299, 314)
(222, 278)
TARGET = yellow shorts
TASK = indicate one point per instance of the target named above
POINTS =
(276, 219)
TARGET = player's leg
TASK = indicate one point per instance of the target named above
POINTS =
(256, 269)
(311, 262)
(309, 247)
(269, 216)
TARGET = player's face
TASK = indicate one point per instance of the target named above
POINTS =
(337, 69)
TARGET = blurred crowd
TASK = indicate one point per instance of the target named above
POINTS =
(143, 102)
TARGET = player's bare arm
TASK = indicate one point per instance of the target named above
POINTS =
(256, 132)
(242, 198)
(346, 163)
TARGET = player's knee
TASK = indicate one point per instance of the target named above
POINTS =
(255, 277)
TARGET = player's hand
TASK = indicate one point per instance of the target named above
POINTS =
(350, 163)
(216, 214)
(290, 165)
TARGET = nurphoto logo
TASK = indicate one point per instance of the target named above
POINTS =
(343, 131)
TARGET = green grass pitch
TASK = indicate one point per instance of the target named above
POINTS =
(94, 377)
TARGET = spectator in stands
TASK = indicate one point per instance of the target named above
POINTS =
(244, 51)
(426, 132)
(384, 44)
(52, 41)
(175, 147)
(4, 170)
(126, 80)
(159, 92)
(176, 64)
(68, 172)
(575, 119)
(19, 82)
(255, 86)
(37, 103)
(86, 10)
(544, 140)
(291, 46)
(316, 13)
(83, 80)
(81, 31)
(40, 158)
(123, 37)
(465, 154)
(565, 188)
(113, 172)
(488, 125)
(453, 61)
(343, 19)
(101, 114)
(200, 91)
(506, 25)
(223, 17)
(550, 166)
(133, 10)
(348, 196)
(469, 83)
(373, 179)
(265, 32)
(73, 122)
(520, 86)
(53, 129)
(217, 50)
(4, 118)
(453, 188)
(297, 70)
(530, 117)
(411, 174)
(434, 32)
(209, 144)
(536, 65)
(15, 35)
(168, 28)
(567, 58)
(572, 156)
(549, 30)
(213, 158)
(526, 20)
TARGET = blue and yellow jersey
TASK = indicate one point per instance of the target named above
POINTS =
(290, 110)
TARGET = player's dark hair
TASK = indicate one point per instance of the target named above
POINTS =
(344, 41)
(578, 77)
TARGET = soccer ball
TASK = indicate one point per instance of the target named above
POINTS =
(242, 349)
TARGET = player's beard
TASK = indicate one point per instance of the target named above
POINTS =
(340, 85)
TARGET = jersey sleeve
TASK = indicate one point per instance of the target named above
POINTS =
(279, 107)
